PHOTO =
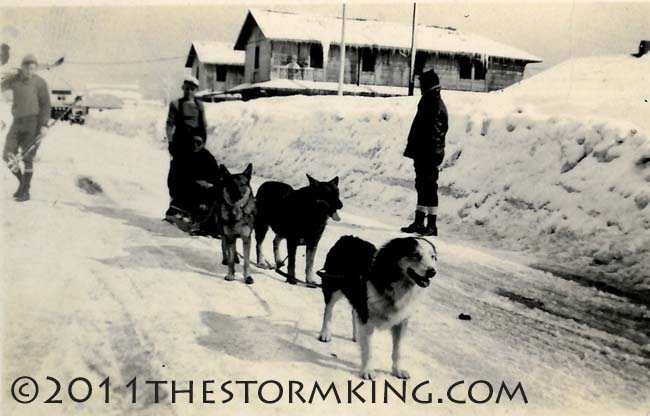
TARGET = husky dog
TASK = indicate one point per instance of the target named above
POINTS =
(299, 216)
(381, 287)
(236, 216)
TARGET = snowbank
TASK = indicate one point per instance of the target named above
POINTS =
(574, 189)
(559, 173)
(147, 120)
(594, 88)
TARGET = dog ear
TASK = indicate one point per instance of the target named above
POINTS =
(335, 181)
(312, 181)
(248, 172)
(223, 171)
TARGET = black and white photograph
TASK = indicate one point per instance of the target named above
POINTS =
(325, 208)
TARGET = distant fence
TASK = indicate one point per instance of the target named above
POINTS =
(302, 74)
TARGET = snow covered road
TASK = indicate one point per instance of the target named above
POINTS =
(96, 286)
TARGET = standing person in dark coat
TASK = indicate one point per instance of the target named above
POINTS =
(426, 146)
(186, 118)
(31, 111)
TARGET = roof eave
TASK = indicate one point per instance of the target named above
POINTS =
(240, 43)
(190, 57)
(228, 63)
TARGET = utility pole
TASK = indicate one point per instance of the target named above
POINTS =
(342, 64)
(413, 51)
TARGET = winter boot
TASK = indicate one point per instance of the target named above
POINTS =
(172, 213)
(430, 229)
(418, 224)
(23, 195)
(19, 175)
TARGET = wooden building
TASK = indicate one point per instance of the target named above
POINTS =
(305, 50)
(216, 65)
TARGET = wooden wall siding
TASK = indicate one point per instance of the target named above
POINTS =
(263, 73)
(196, 72)
(391, 66)
(500, 73)
(281, 56)
(209, 73)
(504, 73)
(207, 76)
(391, 69)
(351, 62)
(234, 77)
(282, 52)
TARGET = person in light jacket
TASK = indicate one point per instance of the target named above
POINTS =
(31, 112)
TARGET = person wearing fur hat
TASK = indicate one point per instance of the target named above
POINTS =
(31, 112)
(185, 119)
(426, 146)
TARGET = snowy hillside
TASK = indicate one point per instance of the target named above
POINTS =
(596, 88)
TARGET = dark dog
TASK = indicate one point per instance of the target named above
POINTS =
(381, 290)
(347, 265)
(299, 216)
(236, 217)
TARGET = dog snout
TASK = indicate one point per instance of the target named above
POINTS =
(430, 273)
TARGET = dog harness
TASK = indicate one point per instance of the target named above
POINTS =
(239, 207)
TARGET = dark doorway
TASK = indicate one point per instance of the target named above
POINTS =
(368, 58)
(316, 55)
(465, 67)
(479, 69)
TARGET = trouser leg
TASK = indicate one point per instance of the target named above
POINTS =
(11, 148)
(26, 135)
(426, 184)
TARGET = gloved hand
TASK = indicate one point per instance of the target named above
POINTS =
(204, 184)
(44, 131)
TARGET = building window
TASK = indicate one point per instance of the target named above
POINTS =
(385, 59)
(479, 69)
(257, 57)
(465, 67)
(197, 72)
(221, 73)
(368, 57)
(316, 55)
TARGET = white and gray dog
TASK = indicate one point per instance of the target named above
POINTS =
(380, 285)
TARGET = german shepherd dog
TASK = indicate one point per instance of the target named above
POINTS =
(381, 286)
(236, 217)
(299, 216)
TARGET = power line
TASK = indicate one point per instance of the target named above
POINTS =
(141, 61)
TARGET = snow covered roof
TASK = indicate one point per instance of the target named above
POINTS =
(372, 33)
(211, 52)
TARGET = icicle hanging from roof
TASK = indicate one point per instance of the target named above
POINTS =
(326, 52)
